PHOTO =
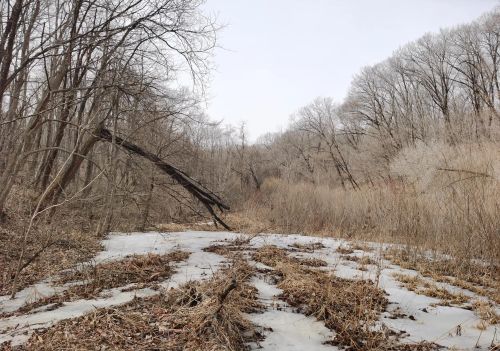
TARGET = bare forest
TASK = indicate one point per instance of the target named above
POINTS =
(100, 134)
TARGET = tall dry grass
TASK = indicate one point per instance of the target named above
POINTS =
(435, 197)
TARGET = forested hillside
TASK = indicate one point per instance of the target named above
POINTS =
(103, 128)
(412, 154)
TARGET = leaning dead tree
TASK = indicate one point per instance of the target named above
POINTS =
(204, 195)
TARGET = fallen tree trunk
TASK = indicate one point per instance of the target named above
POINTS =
(204, 195)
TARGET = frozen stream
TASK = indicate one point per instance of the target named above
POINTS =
(284, 329)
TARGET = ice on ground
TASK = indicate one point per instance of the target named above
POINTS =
(199, 265)
(448, 326)
(18, 329)
(284, 329)
(267, 292)
(292, 331)
(28, 295)
(439, 324)
(120, 245)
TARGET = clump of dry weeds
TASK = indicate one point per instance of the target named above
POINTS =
(44, 255)
(476, 277)
(141, 270)
(228, 251)
(486, 311)
(309, 247)
(349, 307)
(344, 250)
(423, 287)
(362, 260)
(132, 269)
(198, 316)
(313, 262)
(271, 255)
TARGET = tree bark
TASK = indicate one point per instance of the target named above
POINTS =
(204, 195)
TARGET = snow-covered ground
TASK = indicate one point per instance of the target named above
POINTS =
(281, 326)
(284, 329)
(199, 265)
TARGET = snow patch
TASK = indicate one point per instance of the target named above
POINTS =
(290, 331)
(284, 329)
(200, 265)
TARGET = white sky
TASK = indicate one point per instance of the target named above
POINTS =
(278, 55)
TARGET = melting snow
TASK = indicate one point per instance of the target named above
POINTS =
(18, 329)
(284, 329)
(28, 295)
(199, 265)
(290, 331)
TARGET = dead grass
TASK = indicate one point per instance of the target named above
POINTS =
(236, 221)
(357, 245)
(54, 243)
(232, 249)
(246, 224)
(486, 311)
(478, 278)
(44, 256)
(309, 247)
(361, 260)
(344, 250)
(410, 282)
(349, 307)
(203, 225)
(448, 298)
(140, 270)
(443, 198)
(313, 262)
(131, 269)
(270, 255)
(424, 287)
(199, 316)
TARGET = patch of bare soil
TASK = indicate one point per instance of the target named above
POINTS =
(351, 308)
(204, 315)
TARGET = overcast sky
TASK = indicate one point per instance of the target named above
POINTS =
(278, 55)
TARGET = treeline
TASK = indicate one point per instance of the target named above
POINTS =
(70, 69)
(411, 155)
(443, 88)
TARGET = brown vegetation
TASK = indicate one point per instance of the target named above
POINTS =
(351, 308)
(140, 270)
(474, 276)
(424, 287)
(409, 157)
(200, 315)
